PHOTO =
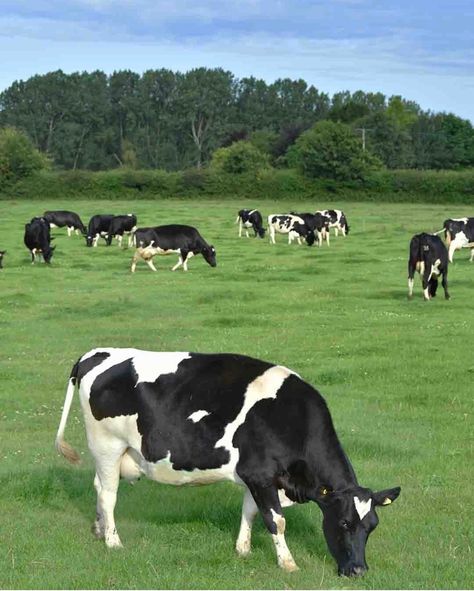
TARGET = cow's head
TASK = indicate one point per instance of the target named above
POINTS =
(310, 237)
(348, 519)
(209, 253)
(2, 252)
(48, 253)
(89, 240)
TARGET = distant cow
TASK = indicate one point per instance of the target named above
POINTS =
(59, 219)
(428, 256)
(459, 233)
(337, 220)
(120, 225)
(38, 239)
(194, 418)
(318, 223)
(98, 226)
(162, 240)
(250, 218)
(292, 225)
(2, 254)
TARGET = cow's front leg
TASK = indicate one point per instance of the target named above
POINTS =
(186, 257)
(179, 263)
(268, 503)
(249, 511)
(444, 283)
(149, 262)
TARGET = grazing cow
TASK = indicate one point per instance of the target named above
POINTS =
(459, 233)
(59, 219)
(428, 256)
(250, 218)
(184, 240)
(120, 225)
(192, 418)
(37, 239)
(2, 254)
(337, 220)
(318, 223)
(98, 226)
(292, 225)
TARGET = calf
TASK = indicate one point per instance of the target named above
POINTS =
(38, 239)
(318, 223)
(120, 225)
(337, 220)
(162, 240)
(98, 226)
(193, 418)
(292, 225)
(459, 233)
(2, 253)
(59, 219)
(428, 256)
(250, 218)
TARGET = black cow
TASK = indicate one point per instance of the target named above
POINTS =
(59, 219)
(98, 226)
(37, 239)
(292, 225)
(428, 256)
(120, 225)
(191, 418)
(459, 233)
(337, 220)
(318, 223)
(184, 240)
(250, 218)
(2, 254)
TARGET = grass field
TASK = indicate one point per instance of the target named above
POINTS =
(397, 376)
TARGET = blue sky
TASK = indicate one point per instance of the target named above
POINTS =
(423, 50)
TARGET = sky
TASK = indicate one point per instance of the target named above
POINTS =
(420, 49)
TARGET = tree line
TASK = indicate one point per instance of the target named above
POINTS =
(173, 121)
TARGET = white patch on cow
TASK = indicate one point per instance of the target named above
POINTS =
(196, 416)
(150, 365)
(460, 220)
(362, 507)
(264, 386)
(284, 500)
(285, 559)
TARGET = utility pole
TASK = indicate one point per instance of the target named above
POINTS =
(362, 129)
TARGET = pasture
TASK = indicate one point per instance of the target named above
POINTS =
(397, 376)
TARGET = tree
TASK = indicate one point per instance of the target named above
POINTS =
(331, 150)
(239, 158)
(18, 156)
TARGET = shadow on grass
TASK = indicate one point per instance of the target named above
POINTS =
(217, 507)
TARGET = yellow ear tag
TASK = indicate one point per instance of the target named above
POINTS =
(387, 501)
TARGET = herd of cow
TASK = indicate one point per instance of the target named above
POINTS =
(192, 418)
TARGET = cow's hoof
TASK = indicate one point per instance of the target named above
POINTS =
(289, 566)
(243, 549)
(97, 531)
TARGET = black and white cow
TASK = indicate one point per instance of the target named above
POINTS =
(37, 239)
(192, 418)
(318, 223)
(459, 233)
(98, 226)
(2, 254)
(162, 240)
(250, 218)
(337, 220)
(428, 256)
(120, 225)
(292, 225)
(59, 219)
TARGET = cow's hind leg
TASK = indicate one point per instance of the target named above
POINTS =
(249, 511)
(106, 483)
(444, 283)
(268, 503)
(98, 525)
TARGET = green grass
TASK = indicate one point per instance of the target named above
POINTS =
(397, 376)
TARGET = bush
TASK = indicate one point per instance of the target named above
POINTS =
(240, 157)
(331, 150)
(18, 157)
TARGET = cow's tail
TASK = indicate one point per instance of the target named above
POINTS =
(62, 446)
(438, 232)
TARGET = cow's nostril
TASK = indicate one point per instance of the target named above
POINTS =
(358, 571)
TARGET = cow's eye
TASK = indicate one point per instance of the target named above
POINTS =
(345, 524)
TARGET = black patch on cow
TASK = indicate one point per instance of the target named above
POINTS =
(84, 367)
(213, 383)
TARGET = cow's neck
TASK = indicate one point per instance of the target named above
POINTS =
(332, 467)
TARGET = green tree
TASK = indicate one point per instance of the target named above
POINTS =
(331, 150)
(18, 156)
(239, 158)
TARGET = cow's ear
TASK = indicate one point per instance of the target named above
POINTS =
(385, 497)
